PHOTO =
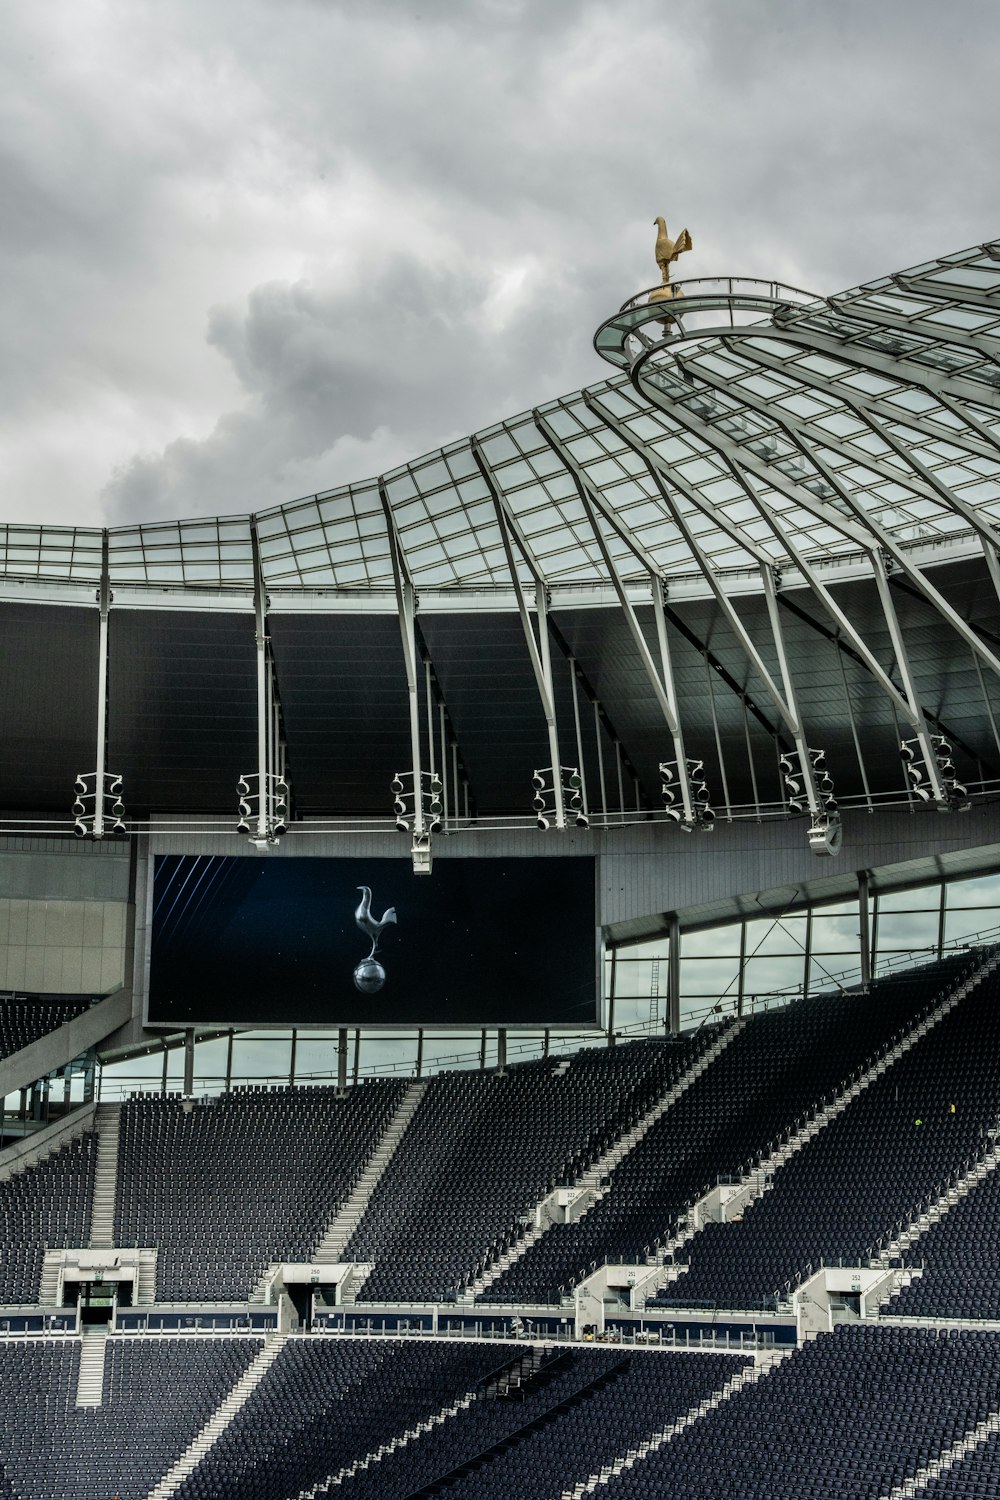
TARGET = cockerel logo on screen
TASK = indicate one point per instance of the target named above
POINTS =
(369, 975)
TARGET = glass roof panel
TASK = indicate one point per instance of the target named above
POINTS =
(862, 404)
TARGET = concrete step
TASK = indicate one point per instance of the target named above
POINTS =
(590, 1182)
(102, 1213)
(220, 1419)
(345, 1475)
(90, 1377)
(761, 1368)
(330, 1249)
(42, 1143)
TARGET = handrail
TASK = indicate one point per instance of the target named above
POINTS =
(727, 286)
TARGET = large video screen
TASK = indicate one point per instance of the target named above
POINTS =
(251, 941)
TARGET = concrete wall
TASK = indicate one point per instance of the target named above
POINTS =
(37, 869)
(62, 947)
(63, 916)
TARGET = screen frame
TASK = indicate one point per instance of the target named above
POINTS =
(593, 1028)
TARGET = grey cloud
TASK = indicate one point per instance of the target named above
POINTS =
(378, 371)
(251, 250)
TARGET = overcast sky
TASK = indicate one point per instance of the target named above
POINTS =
(255, 248)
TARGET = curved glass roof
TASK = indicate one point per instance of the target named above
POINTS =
(766, 425)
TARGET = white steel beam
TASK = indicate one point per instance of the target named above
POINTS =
(663, 686)
(102, 688)
(860, 527)
(406, 608)
(538, 650)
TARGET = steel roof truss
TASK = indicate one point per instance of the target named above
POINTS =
(822, 593)
(860, 530)
(929, 484)
(538, 649)
(925, 483)
(803, 496)
(983, 444)
(879, 364)
(948, 292)
(663, 686)
(662, 473)
(909, 685)
(941, 333)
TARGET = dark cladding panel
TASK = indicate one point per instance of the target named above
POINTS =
(182, 708)
(48, 693)
(482, 664)
(477, 942)
(343, 694)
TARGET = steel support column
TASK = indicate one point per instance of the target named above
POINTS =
(260, 618)
(188, 1088)
(342, 1060)
(824, 833)
(102, 689)
(864, 929)
(673, 974)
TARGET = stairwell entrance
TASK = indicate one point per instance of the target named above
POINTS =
(97, 1301)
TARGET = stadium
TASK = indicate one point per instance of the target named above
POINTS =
(501, 960)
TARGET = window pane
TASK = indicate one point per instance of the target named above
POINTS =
(836, 934)
(316, 1056)
(711, 943)
(959, 925)
(907, 930)
(386, 1054)
(784, 937)
(764, 975)
(983, 891)
(259, 1057)
(924, 898)
(707, 976)
(210, 1065)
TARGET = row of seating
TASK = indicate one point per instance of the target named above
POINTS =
(849, 1417)
(46, 1205)
(775, 1071)
(24, 1019)
(322, 1405)
(481, 1150)
(960, 1260)
(224, 1188)
(158, 1394)
(893, 1149)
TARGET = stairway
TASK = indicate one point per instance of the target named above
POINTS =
(102, 1216)
(220, 1419)
(144, 1287)
(902, 1239)
(589, 1185)
(48, 1290)
(90, 1377)
(344, 1222)
(947, 1460)
(342, 1476)
(330, 1248)
(36, 1148)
